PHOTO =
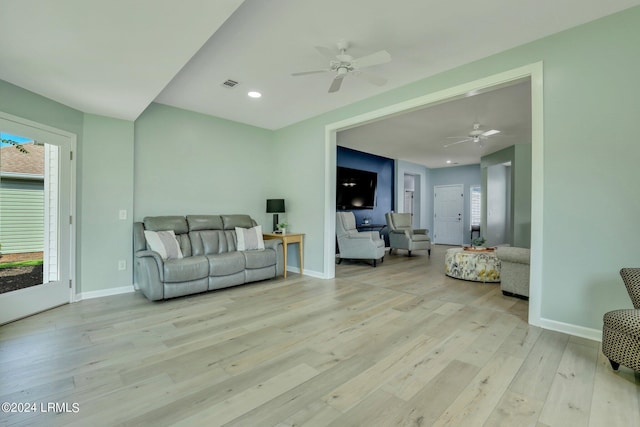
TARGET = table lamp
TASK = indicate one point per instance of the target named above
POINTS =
(275, 206)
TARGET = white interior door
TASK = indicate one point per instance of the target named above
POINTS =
(448, 214)
(53, 230)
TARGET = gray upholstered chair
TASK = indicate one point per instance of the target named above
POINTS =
(514, 272)
(354, 244)
(402, 235)
(621, 329)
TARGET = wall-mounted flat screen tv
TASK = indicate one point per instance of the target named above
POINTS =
(355, 189)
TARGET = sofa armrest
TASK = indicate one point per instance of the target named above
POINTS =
(276, 245)
(424, 231)
(149, 274)
(272, 243)
(156, 257)
(513, 254)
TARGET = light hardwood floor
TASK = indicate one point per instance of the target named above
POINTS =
(400, 344)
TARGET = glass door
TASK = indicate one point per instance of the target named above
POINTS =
(36, 222)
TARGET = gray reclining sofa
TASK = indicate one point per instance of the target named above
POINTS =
(211, 260)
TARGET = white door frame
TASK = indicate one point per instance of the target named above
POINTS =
(13, 302)
(533, 71)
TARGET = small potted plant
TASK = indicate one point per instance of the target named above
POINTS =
(282, 227)
(478, 242)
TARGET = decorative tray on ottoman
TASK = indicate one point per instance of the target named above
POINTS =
(472, 249)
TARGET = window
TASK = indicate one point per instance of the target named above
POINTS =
(476, 196)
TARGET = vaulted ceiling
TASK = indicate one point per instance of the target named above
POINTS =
(115, 57)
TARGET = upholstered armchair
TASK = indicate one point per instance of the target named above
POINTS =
(354, 244)
(621, 329)
(403, 236)
(514, 272)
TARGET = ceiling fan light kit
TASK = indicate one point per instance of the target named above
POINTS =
(344, 65)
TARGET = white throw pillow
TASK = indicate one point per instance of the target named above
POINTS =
(250, 238)
(163, 242)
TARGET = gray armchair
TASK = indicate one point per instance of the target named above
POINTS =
(403, 236)
(353, 244)
(621, 329)
(514, 272)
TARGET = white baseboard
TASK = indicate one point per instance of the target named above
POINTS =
(104, 292)
(568, 328)
(310, 273)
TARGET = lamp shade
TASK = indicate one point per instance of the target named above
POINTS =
(275, 205)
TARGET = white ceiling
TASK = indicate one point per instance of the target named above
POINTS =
(110, 57)
(115, 57)
(420, 136)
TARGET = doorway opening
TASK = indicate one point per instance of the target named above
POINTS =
(37, 200)
(533, 72)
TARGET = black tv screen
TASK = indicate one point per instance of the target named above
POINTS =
(355, 189)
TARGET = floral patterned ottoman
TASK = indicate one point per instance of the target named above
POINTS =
(478, 266)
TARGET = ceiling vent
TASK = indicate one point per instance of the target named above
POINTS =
(229, 83)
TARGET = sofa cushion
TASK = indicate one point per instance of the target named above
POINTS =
(164, 243)
(260, 259)
(249, 239)
(232, 221)
(226, 263)
(204, 222)
(210, 242)
(186, 269)
(163, 223)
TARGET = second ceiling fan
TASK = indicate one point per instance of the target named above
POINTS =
(344, 64)
(477, 135)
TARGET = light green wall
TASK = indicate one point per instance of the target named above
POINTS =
(519, 233)
(190, 163)
(28, 105)
(591, 196)
(22, 103)
(104, 184)
(521, 196)
(107, 184)
(300, 177)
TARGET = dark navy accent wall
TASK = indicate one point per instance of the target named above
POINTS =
(354, 159)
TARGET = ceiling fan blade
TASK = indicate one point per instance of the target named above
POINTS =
(458, 142)
(381, 57)
(304, 73)
(371, 78)
(336, 83)
(326, 52)
(490, 132)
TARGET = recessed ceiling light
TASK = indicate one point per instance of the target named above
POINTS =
(448, 162)
(254, 94)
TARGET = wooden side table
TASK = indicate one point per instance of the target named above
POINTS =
(286, 239)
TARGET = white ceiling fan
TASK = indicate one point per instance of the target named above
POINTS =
(344, 64)
(477, 135)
